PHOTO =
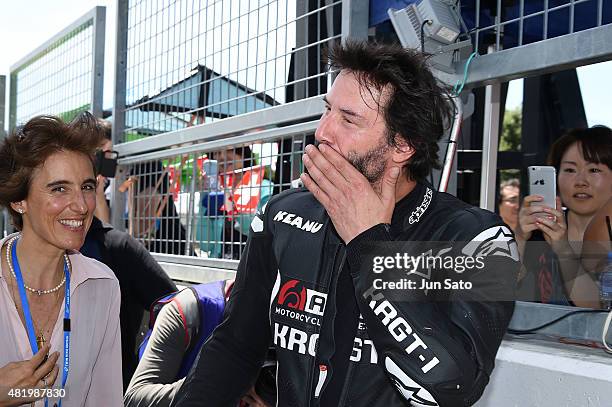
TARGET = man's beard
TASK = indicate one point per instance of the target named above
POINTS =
(372, 164)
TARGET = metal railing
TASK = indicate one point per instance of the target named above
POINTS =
(520, 39)
(63, 76)
(199, 200)
(514, 24)
(532, 37)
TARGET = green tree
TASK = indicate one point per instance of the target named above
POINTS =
(511, 130)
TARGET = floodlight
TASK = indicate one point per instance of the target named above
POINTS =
(432, 26)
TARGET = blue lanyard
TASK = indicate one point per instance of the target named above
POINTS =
(28, 316)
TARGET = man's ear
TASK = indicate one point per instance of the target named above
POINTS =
(402, 152)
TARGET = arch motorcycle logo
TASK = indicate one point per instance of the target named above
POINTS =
(294, 295)
(296, 313)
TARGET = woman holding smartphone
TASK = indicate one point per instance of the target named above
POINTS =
(550, 239)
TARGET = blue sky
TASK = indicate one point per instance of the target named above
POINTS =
(27, 24)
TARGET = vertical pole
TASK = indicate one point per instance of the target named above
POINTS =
(355, 19)
(490, 144)
(477, 18)
(5, 215)
(521, 18)
(97, 74)
(301, 56)
(2, 104)
(545, 28)
(120, 86)
(12, 101)
(191, 209)
(448, 178)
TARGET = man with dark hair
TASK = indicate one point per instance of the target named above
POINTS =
(305, 279)
(509, 201)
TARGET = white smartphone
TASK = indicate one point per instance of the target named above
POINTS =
(543, 182)
(210, 168)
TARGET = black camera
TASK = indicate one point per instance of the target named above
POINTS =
(106, 163)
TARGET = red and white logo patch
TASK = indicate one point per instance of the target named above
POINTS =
(293, 294)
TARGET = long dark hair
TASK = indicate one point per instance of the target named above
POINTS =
(418, 107)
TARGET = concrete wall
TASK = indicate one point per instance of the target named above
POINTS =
(538, 373)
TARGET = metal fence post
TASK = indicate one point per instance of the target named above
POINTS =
(120, 84)
(119, 89)
(301, 57)
(97, 76)
(12, 102)
(355, 15)
(490, 145)
(190, 219)
(2, 103)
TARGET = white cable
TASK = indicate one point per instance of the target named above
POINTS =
(605, 332)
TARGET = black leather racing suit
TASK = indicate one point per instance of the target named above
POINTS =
(414, 352)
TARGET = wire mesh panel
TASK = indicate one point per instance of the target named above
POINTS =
(508, 24)
(64, 76)
(199, 61)
(477, 42)
(202, 202)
